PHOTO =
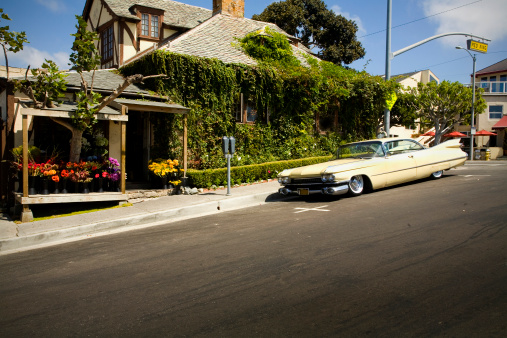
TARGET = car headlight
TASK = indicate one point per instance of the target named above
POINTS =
(284, 179)
(328, 178)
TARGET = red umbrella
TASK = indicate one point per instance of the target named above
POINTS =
(484, 133)
(428, 133)
(455, 134)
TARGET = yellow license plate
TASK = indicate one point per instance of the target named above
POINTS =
(304, 191)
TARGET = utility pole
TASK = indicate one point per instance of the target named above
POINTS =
(472, 111)
(387, 112)
(389, 56)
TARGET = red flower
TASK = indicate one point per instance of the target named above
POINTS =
(55, 178)
(97, 175)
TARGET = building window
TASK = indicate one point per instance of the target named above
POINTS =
(145, 24)
(154, 26)
(107, 38)
(495, 112)
(492, 79)
(245, 111)
(503, 79)
(150, 25)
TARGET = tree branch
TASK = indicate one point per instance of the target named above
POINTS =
(128, 81)
(63, 122)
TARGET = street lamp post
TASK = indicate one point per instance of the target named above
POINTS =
(472, 128)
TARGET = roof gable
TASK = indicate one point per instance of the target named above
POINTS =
(215, 38)
(176, 14)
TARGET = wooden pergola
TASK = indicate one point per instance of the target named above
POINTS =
(119, 115)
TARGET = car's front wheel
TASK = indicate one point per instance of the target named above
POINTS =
(356, 185)
(437, 174)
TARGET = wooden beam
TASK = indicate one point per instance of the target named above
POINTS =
(71, 198)
(26, 213)
(25, 155)
(158, 109)
(68, 115)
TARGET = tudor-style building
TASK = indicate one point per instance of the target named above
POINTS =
(129, 29)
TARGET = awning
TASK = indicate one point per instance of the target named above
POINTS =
(502, 124)
(155, 106)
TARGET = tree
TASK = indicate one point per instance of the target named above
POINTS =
(48, 85)
(320, 29)
(10, 41)
(84, 58)
(445, 104)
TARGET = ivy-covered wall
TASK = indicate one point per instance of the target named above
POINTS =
(294, 97)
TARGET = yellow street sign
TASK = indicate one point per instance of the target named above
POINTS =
(477, 46)
(391, 100)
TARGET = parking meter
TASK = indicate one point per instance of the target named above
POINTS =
(228, 147)
(225, 145)
(232, 141)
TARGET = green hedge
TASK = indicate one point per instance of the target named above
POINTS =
(248, 173)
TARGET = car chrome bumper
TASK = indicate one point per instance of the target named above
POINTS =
(326, 190)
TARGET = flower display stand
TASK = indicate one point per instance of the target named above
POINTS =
(107, 196)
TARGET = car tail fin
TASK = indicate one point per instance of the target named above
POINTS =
(454, 143)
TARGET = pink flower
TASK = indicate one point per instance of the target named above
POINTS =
(97, 175)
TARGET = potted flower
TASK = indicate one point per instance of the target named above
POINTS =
(167, 171)
(35, 172)
(112, 167)
(81, 179)
(65, 176)
(49, 170)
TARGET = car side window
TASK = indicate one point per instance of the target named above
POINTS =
(402, 146)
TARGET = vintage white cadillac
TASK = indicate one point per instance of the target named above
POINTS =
(371, 165)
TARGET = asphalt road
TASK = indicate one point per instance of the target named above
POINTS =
(427, 259)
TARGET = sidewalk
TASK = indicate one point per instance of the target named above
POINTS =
(16, 237)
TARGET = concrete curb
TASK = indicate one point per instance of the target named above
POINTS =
(141, 220)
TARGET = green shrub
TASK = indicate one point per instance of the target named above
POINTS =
(248, 173)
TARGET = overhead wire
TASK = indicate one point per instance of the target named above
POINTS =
(420, 19)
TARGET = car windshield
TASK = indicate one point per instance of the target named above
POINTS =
(361, 150)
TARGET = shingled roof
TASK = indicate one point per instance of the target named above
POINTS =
(105, 80)
(215, 38)
(176, 14)
(496, 68)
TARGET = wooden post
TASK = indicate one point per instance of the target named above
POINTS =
(26, 213)
(124, 110)
(185, 145)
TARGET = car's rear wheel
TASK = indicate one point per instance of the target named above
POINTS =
(356, 185)
(437, 174)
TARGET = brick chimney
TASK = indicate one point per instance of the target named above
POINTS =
(234, 8)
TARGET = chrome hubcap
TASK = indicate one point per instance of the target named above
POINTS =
(356, 184)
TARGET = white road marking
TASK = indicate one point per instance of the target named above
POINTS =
(311, 209)
(475, 175)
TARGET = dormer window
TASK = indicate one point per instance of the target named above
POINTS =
(150, 25)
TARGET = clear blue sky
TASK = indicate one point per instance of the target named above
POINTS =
(49, 23)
